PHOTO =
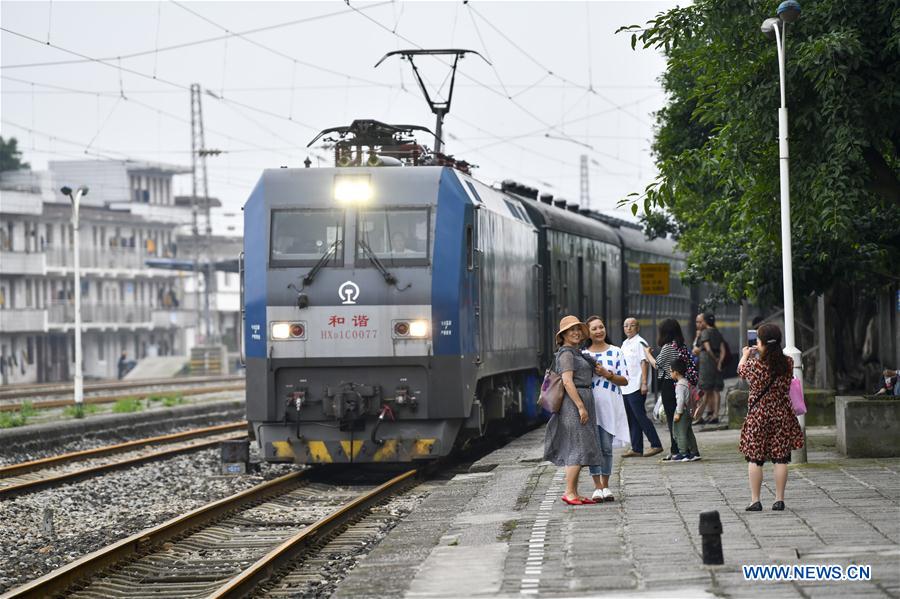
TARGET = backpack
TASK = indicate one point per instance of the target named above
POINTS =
(685, 354)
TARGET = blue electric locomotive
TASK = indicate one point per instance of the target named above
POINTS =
(394, 305)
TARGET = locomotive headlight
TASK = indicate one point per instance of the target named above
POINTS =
(418, 328)
(281, 330)
(352, 189)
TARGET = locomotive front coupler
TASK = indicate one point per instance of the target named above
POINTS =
(350, 403)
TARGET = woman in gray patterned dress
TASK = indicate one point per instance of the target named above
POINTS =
(710, 346)
(571, 438)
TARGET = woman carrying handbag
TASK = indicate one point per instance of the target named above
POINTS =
(770, 430)
(571, 438)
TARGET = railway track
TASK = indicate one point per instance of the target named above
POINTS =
(227, 548)
(37, 474)
(144, 390)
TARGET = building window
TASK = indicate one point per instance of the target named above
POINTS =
(6, 237)
(29, 351)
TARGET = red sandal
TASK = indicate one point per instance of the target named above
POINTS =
(578, 501)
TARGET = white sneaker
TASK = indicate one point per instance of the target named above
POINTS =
(598, 495)
(607, 495)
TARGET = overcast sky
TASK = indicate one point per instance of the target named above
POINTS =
(561, 84)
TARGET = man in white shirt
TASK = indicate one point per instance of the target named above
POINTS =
(635, 393)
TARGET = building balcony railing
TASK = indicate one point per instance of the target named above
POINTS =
(174, 318)
(63, 313)
(100, 258)
(22, 263)
(23, 321)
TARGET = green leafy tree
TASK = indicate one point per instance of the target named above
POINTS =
(10, 156)
(716, 145)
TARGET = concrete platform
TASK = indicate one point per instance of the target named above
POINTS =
(158, 367)
(501, 529)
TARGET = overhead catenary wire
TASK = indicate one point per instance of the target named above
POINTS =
(487, 53)
(544, 67)
(159, 79)
(461, 74)
(131, 100)
(316, 86)
(183, 45)
(544, 81)
(244, 36)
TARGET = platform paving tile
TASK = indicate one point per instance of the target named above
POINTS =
(503, 531)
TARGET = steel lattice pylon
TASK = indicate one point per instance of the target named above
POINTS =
(198, 154)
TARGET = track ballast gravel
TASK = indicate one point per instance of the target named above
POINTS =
(44, 530)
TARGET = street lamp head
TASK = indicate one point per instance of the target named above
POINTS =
(788, 11)
(769, 25)
(66, 190)
(84, 190)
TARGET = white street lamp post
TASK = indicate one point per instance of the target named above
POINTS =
(788, 12)
(79, 378)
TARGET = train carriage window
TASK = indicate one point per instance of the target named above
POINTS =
(395, 236)
(302, 237)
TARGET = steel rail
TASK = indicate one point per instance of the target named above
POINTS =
(57, 581)
(101, 399)
(44, 389)
(32, 465)
(39, 483)
(265, 567)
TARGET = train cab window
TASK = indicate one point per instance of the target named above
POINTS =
(395, 236)
(302, 237)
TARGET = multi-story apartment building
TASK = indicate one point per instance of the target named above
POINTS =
(128, 216)
(224, 288)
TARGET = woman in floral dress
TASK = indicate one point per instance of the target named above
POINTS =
(771, 429)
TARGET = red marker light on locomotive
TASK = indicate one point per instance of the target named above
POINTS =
(297, 330)
(401, 329)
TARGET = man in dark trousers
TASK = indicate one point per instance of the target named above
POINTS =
(123, 364)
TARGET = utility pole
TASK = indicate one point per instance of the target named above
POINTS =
(198, 155)
(76, 236)
(585, 198)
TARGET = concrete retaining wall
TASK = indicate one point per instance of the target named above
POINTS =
(868, 428)
(819, 405)
(114, 426)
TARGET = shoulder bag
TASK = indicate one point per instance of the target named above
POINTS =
(796, 394)
(552, 390)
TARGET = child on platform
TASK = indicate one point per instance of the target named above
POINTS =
(682, 427)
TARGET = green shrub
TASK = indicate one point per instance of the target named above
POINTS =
(18, 417)
(167, 400)
(87, 410)
(27, 410)
(127, 405)
(173, 400)
(12, 419)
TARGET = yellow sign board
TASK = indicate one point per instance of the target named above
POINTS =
(655, 279)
